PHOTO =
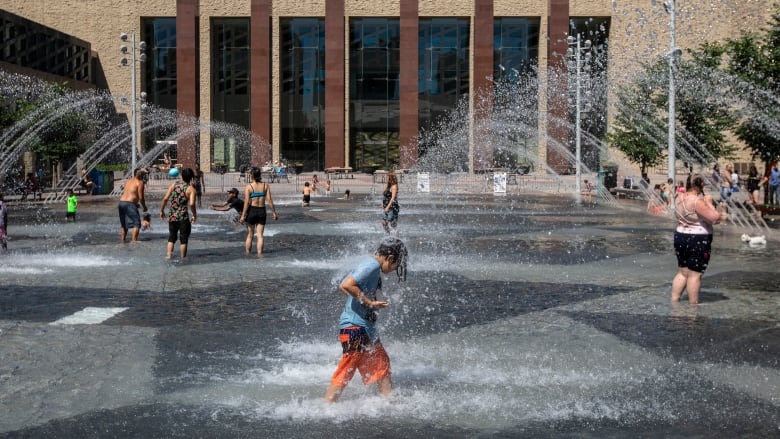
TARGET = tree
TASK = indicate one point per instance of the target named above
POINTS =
(66, 136)
(54, 133)
(702, 110)
(702, 117)
(635, 128)
(755, 60)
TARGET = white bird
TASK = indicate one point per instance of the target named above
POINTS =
(755, 241)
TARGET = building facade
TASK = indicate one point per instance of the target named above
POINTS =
(346, 83)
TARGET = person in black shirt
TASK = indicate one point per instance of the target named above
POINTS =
(233, 202)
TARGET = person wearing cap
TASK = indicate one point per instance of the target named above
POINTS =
(361, 348)
(132, 197)
(233, 202)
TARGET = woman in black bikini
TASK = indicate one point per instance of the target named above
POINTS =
(754, 184)
(254, 214)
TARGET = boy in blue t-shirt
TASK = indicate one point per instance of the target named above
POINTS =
(361, 348)
(73, 204)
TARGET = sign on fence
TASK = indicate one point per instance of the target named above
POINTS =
(499, 182)
(423, 182)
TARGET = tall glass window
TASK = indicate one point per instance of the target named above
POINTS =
(159, 33)
(374, 102)
(444, 69)
(515, 62)
(302, 111)
(230, 89)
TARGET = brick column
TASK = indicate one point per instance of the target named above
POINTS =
(482, 98)
(557, 84)
(260, 81)
(334, 84)
(409, 65)
(187, 84)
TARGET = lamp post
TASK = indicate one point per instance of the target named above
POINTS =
(579, 47)
(124, 49)
(672, 57)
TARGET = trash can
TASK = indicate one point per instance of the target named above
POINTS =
(610, 176)
(104, 182)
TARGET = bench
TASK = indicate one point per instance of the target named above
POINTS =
(339, 172)
(636, 194)
(768, 209)
(511, 177)
(280, 173)
(81, 190)
(380, 175)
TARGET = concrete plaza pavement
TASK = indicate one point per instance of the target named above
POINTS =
(101, 339)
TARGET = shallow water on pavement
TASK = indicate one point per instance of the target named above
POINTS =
(522, 315)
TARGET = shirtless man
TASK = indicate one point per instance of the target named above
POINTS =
(132, 196)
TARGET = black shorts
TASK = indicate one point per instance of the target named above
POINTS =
(256, 216)
(180, 229)
(693, 251)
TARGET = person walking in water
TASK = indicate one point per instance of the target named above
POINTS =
(361, 348)
(198, 182)
(132, 196)
(306, 200)
(696, 214)
(390, 207)
(256, 195)
(182, 195)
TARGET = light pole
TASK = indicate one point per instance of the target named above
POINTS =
(579, 47)
(141, 49)
(672, 57)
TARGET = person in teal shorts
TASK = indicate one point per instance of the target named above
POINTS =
(73, 203)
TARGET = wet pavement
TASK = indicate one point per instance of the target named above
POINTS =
(524, 315)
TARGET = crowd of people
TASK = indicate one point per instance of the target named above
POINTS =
(184, 196)
(725, 183)
(730, 182)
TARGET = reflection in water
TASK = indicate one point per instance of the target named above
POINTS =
(683, 315)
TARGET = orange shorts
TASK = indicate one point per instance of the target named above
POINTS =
(368, 358)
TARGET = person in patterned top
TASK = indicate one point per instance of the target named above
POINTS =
(182, 196)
